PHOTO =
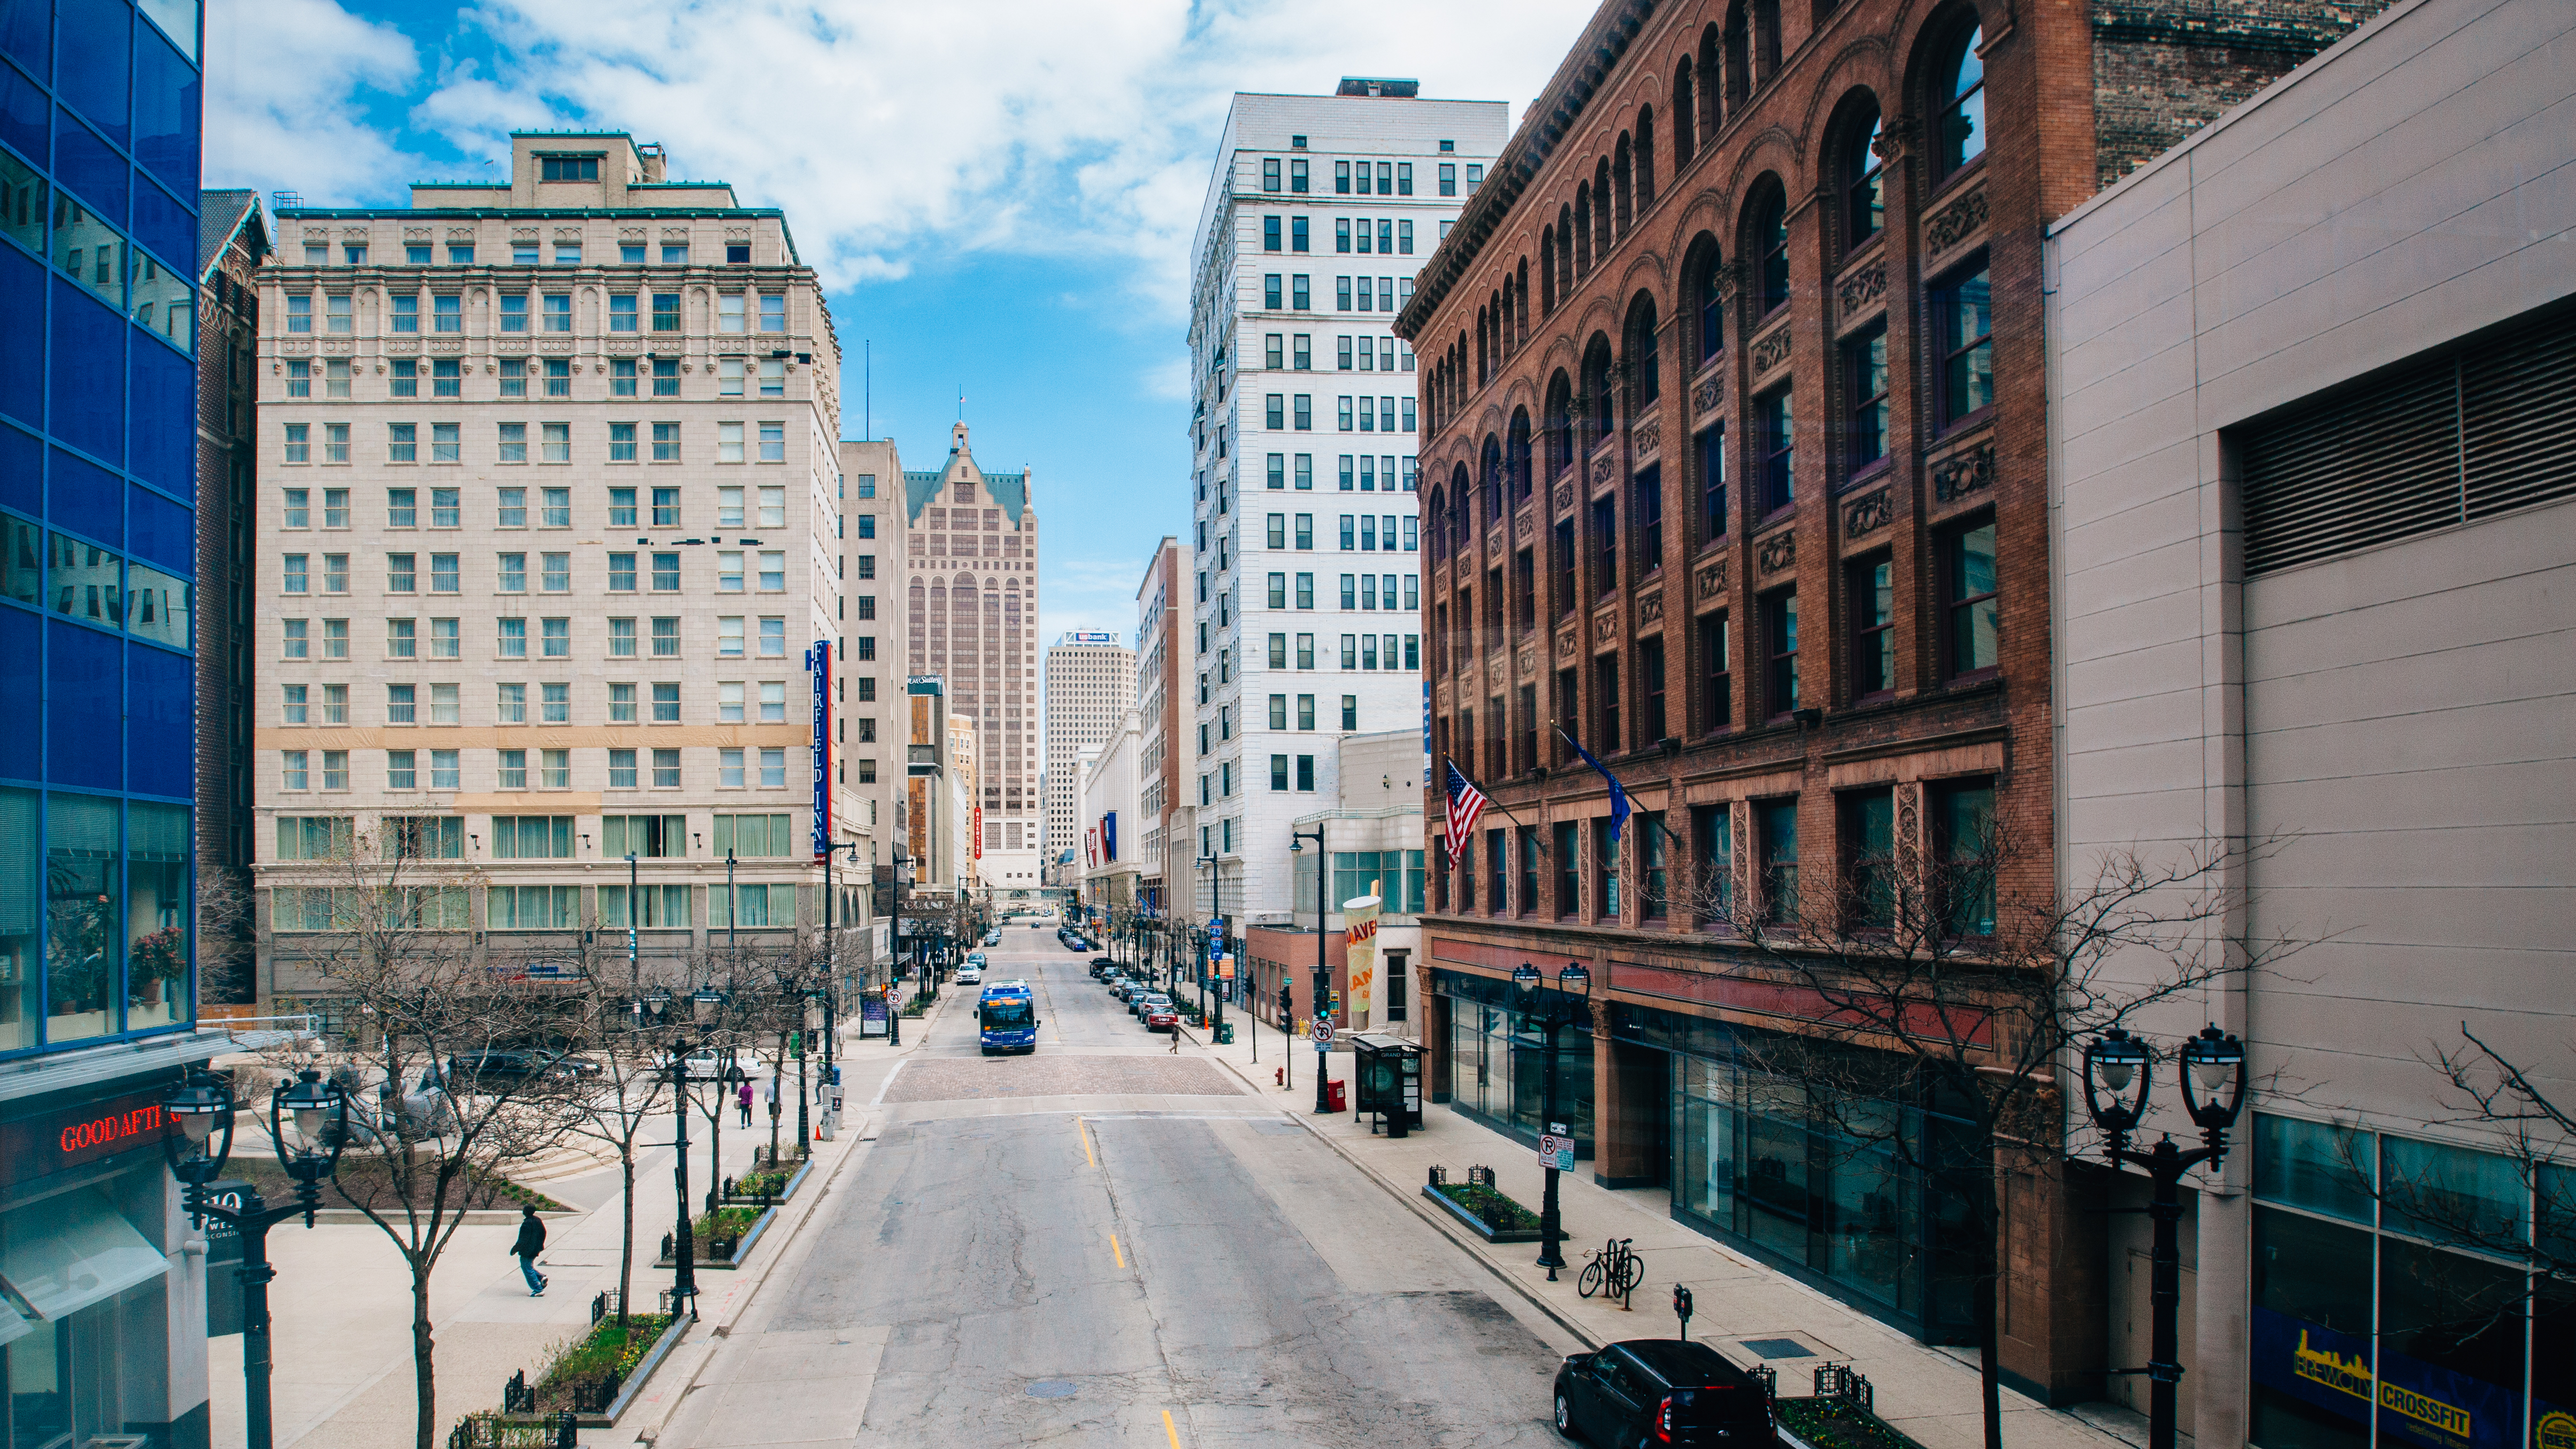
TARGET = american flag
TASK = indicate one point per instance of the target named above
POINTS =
(1466, 803)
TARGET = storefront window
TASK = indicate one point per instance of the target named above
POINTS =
(157, 917)
(20, 874)
(81, 918)
(1499, 1069)
(96, 1283)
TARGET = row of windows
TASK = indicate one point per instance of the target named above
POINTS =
(736, 507)
(296, 572)
(1295, 352)
(737, 702)
(1296, 412)
(1970, 640)
(1364, 178)
(735, 377)
(1350, 294)
(405, 638)
(531, 837)
(626, 311)
(1367, 528)
(524, 252)
(517, 769)
(1359, 473)
(526, 907)
(510, 444)
(1364, 236)
(1587, 863)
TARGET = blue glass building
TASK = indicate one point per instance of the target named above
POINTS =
(100, 120)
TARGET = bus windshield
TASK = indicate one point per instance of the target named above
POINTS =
(1008, 1016)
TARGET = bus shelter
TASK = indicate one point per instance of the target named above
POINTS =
(1388, 1071)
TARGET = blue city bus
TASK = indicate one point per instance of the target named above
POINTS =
(1007, 1015)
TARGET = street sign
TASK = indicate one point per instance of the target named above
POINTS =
(1322, 1032)
(1556, 1152)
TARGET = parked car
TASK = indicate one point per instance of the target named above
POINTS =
(1159, 1016)
(705, 1065)
(993, 937)
(1662, 1391)
(978, 958)
(1148, 1001)
(1100, 961)
(486, 1071)
(970, 975)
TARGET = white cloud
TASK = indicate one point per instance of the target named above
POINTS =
(286, 81)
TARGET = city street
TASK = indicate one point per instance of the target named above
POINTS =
(1107, 1244)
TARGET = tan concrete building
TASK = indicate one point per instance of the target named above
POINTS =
(970, 561)
(1158, 708)
(1090, 684)
(550, 509)
(2314, 538)
(871, 666)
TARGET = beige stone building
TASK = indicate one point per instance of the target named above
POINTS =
(870, 665)
(970, 607)
(551, 523)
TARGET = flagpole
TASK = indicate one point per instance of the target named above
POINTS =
(1494, 804)
(1657, 815)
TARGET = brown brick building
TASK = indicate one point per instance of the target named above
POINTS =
(1734, 468)
(232, 242)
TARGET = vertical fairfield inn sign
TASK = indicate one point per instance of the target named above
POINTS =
(818, 665)
(35, 1147)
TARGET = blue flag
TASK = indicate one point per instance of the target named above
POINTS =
(1619, 807)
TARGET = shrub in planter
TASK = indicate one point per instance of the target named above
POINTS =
(1828, 1423)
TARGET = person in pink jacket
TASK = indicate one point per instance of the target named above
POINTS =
(742, 1099)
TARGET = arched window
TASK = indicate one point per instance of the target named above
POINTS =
(1490, 463)
(1685, 112)
(1583, 229)
(1712, 82)
(1707, 298)
(1459, 487)
(1601, 209)
(1509, 307)
(1739, 56)
(1864, 180)
(1600, 403)
(1623, 171)
(1439, 510)
(1960, 97)
(1547, 270)
(1520, 313)
(1645, 158)
(1560, 424)
(1645, 362)
(1480, 347)
(1766, 39)
(1565, 253)
(1767, 237)
(1516, 455)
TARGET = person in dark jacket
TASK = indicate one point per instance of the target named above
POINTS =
(531, 1242)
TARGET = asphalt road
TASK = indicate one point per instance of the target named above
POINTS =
(1096, 1245)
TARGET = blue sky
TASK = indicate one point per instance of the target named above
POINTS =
(999, 196)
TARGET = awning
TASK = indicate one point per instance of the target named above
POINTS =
(68, 1252)
(13, 1326)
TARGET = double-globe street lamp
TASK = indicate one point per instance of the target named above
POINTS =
(1323, 971)
(203, 1104)
(2213, 1089)
(1573, 1004)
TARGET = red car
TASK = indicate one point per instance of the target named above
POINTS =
(1162, 1018)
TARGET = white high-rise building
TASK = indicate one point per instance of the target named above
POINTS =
(1090, 683)
(1305, 572)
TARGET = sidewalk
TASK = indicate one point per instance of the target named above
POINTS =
(342, 1305)
(1926, 1392)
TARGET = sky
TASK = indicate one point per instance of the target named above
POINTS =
(998, 196)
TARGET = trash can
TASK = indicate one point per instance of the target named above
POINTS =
(1225, 1033)
(1335, 1099)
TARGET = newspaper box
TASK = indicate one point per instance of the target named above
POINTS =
(1389, 1074)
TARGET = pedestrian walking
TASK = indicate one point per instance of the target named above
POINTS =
(531, 1242)
(742, 1099)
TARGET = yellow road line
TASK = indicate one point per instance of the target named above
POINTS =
(1087, 1154)
(1169, 1432)
(1114, 1251)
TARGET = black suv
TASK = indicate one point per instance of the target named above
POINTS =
(1657, 1391)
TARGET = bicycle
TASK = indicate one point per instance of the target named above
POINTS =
(1612, 1270)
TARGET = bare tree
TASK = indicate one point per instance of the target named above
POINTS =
(617, 1109)
(1958, 981)
(391, 937)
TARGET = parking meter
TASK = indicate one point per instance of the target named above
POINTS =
(1682, 1308)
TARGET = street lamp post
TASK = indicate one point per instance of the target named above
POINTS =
(2213, 1088)
(1554, 1018)
(203, 1103)
(704, 1003)
(1323, 978)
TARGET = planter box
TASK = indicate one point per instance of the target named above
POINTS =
(741, 1250)
(643, 1374)
(794, 1182)
(1477, 1225)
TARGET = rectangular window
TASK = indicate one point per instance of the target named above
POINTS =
(1711, 450)
(555, 446)
(1975, 615)
(773, 312)
(729, 313)
(402, 445)
(447, 309)
(729, 375)
(402, 508)
(666, 638)
(666, 703)
(728, 442)
(559, 310)
(621, 704)
(341, 319)
(666, 505)
(514, 449)
(1775, 823)
(406, 377)
(666, 769)
(1301, 293)
(401, 576)
(622, 316)
(1647, 512)
(444, 704)
(1865, 385)
(1780, 647)
(1871, 602)
(1867, 821)
(666, 315)
(1717, 704)
(1605, 536)
(556, 637)
(446, 379)
(666, 573)
(1963, 327)
(1270, 291)
(666, 383)
(514, 313)
(1350, 711)
(512, 573)
(299, 311)
(1713, 856)
(1651, 722)
(1771, 412)
(773, 442)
